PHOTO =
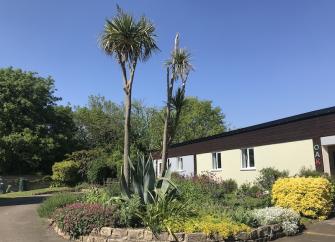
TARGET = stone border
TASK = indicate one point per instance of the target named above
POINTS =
(107, 234)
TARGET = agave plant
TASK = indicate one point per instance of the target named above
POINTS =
(143, 182)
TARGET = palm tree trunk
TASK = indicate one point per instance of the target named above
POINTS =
(166, 124)
(127, 113)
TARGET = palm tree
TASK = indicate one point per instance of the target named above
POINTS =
(128, 41)
(178, 67)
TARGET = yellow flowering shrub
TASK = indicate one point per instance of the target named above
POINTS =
(211, 226)
(310, 196)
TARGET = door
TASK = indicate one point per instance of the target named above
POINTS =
(331, 152)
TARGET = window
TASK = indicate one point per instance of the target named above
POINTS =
(248, 158)
(180, 164)
(216, 161)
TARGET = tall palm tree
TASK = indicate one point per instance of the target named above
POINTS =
(128, 41)
(178, 67)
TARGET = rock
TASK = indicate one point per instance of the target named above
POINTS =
(195, 237)
(106, 231)
(119, 234)
(135, 234)
(180, 237)
(148, 235)
(243, 236)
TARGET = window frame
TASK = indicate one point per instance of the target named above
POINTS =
(217, 163)
(248, 167)
(180, 159)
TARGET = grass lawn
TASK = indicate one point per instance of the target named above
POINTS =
(35, 192)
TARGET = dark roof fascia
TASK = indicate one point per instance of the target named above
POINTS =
(295, 118)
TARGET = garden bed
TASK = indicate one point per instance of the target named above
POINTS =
(263, 233)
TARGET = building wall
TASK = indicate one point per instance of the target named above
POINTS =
(291, 156)
(188, 165)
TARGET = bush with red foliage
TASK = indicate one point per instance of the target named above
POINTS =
(80, 219)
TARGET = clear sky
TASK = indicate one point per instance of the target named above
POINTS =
(258, 60)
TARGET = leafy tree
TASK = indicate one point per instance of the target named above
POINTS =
(129, 41)
(34, 131)
(100, 123)
(198, 118)
(178, 68)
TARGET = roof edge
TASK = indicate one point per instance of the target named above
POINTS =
(290, 119)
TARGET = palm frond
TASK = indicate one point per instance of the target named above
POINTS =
(128, 40)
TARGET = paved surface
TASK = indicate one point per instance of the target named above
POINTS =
(319, 232)
(19, 222)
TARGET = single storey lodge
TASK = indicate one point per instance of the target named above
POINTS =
(304, 140)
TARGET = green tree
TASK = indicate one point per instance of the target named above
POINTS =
(34, 131)
(100, 123)
(198, 118)
(129, 41)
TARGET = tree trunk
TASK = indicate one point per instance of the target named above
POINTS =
(127, 113)
(166, 124)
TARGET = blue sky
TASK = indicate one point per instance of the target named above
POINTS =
(257, 60)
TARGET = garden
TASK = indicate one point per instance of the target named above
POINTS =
(174, 206)
(97, 159)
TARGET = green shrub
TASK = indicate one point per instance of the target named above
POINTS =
(113, 189)
(84, 158)
(99, 171)
(247, 202)
(249, 190)
(80, 219)
(305, 172)
(165, 213)
(58, 200)
(97, 195)
(229, 186)
(268, 176)
(242, 215)
(65, 173)
(204, 187)
(129, 210)
(82, 186)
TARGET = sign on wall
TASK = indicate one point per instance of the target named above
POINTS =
(318, 154)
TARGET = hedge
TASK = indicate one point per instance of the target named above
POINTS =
(311, 197)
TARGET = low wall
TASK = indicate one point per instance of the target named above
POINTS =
(32, 182)
(106, 234)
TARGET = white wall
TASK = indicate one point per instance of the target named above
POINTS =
(291, 156)
(188, 165)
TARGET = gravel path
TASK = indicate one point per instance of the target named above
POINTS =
(19, 222)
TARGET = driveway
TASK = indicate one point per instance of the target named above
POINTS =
(319, 232)
(19, 221)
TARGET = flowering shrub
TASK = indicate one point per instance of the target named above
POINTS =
(288, 219)
(80, 219)
(211, 226)
(309, 196)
